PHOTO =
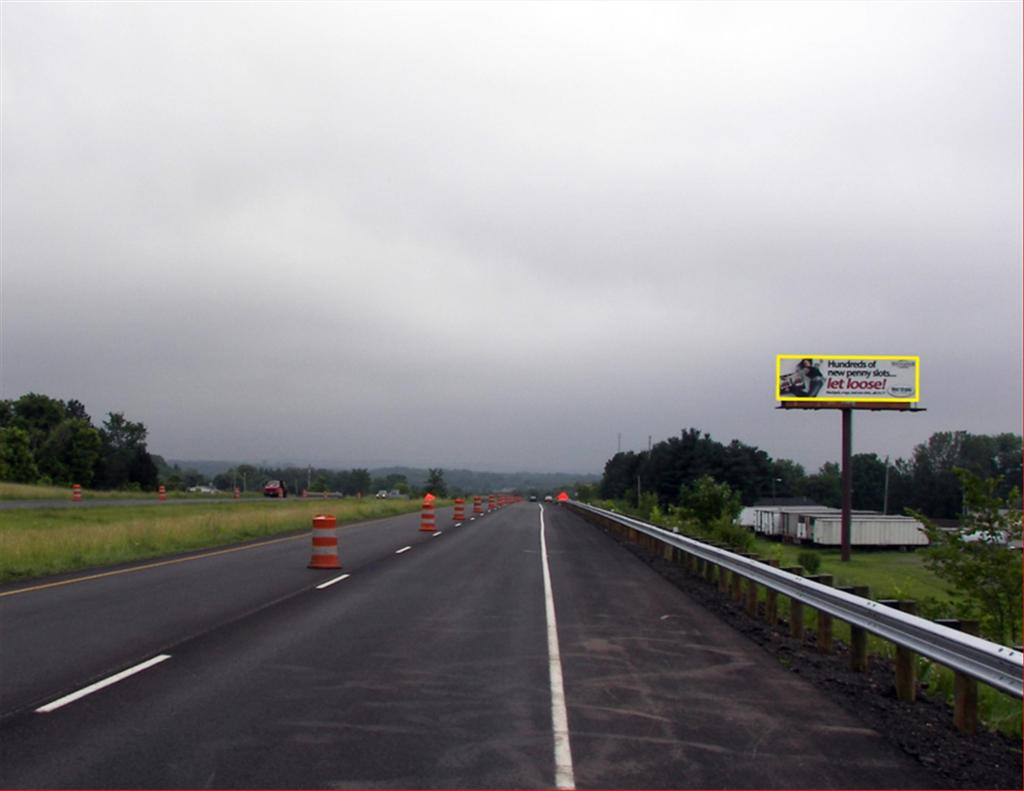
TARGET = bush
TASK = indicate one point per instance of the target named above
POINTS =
(734, 536)
(811, 561)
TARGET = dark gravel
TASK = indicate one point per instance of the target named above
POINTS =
(923, 729)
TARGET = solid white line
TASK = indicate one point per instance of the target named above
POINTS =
(564, 777)
(403, 549)
(329, 583)
(435, 535)
(156, 660)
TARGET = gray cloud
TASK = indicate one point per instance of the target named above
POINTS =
(501, 234)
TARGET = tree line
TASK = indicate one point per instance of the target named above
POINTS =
(926, 482)
(50, 441)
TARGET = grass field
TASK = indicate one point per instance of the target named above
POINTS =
(25, 491)
(45, 541)
(889, 574)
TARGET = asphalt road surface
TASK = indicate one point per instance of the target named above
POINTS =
(433, 664)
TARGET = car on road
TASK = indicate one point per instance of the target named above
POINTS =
(548, 498)
(275, 489)
(533, 498)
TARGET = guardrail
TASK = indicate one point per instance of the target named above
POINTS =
(971, 658)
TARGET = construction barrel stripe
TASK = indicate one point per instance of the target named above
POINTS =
(325, 543)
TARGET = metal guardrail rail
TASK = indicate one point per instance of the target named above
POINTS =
(990, 663)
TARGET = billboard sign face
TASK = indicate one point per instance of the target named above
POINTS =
(805, 377)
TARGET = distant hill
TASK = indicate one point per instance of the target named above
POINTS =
(467, 480)
(473, 481)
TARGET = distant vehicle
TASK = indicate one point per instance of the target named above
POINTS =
(548, 498)
(381, 494)
(203, 489)
(533, 498)
(275, 489)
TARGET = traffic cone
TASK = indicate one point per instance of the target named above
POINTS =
(427, 515)
(325, 543)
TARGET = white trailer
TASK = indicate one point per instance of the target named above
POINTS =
(866, 530)
(767, 521)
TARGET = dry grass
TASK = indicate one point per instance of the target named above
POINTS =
(40, 542)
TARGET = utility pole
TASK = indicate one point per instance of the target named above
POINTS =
(885, 497)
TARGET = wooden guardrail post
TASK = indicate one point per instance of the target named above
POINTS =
(906, 661)
(752, 592)
(965, 688)
(824, 636)
(796, 608)
(736, 584)
(859, 637)
(771, 600)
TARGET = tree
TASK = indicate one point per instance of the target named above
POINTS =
(360, 480)
(708, 501)
(16, 462)
(979, 559)
(868, 481)
(70, 452)
(435, 483)
(124, 459)
(825, 487)
(38, 415)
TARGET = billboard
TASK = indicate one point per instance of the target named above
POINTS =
(806, 377)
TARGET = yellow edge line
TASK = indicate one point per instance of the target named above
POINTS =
(147, 566)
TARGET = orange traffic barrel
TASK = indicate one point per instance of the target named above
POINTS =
(491, 505)
(427, 514)
(76, 493)
(460, 510)
(238, 493)
(478, 507)
(162, 492)
(325, 543)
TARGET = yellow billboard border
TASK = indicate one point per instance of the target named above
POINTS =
(848, 399)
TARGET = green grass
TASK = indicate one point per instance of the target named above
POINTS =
(24, 491)
(890, 575)
(45, 541)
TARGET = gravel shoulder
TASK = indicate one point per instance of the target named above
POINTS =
(923, 730)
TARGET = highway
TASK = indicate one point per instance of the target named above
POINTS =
(427, 661)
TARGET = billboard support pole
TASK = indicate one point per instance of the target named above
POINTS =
(847, 483)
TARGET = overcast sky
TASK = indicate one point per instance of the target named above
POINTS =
(499, 235)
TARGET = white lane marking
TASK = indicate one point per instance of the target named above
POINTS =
(156, 660)
(472, 519)
(329, 583)
(435, 535)
(403, 549)
(564, 777)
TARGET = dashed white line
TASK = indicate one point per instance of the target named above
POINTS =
(564, 775)
(435, 535)
(156, 660)
(329, 583)
(403, 549)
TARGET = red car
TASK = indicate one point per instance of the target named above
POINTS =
(275, 489)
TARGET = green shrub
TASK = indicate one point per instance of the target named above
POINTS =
(734, 536)
(811, 561)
